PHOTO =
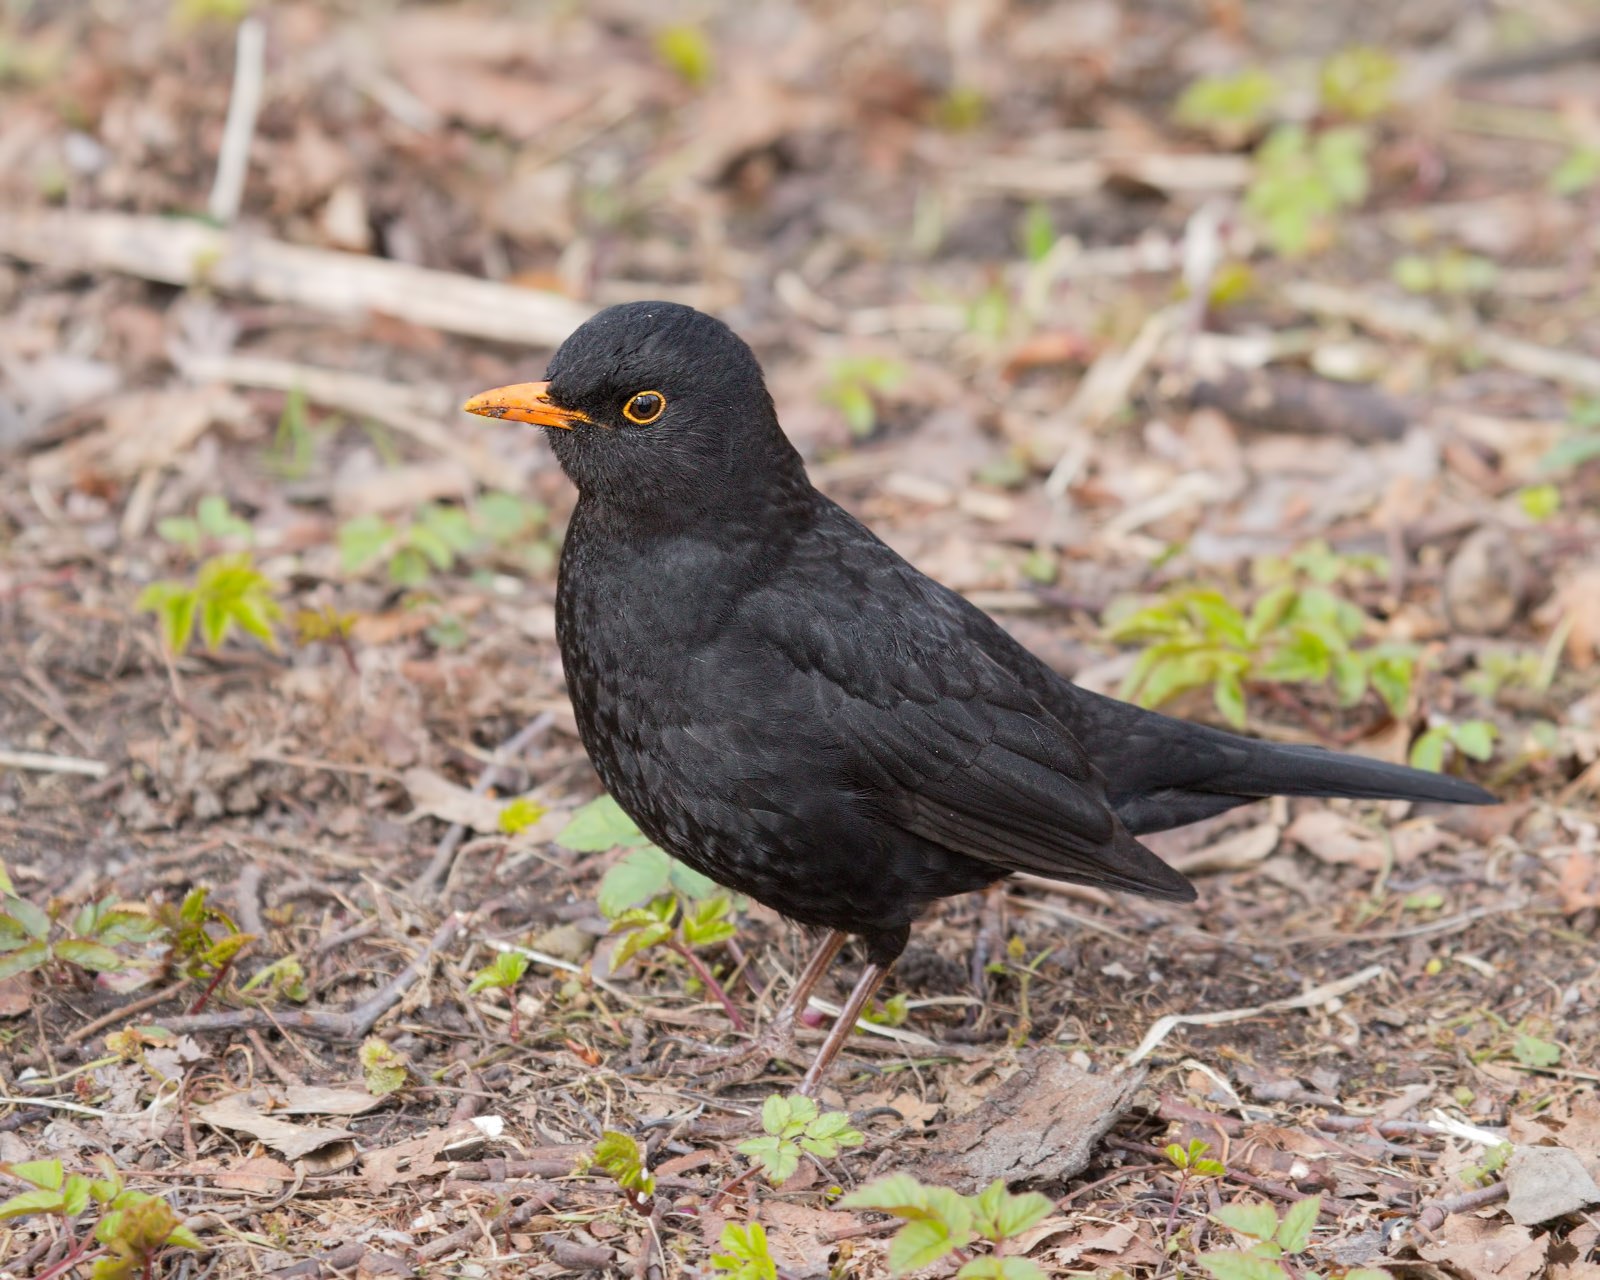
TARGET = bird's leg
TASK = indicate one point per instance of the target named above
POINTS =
(776, 1039)
(870, 980)
(990, 941)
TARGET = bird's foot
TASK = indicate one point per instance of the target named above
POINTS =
(717, 1068)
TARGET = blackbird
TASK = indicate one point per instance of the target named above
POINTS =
(785, 704)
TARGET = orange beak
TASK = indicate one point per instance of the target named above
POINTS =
(525, 402)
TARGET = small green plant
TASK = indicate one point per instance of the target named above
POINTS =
(1303, 180)
(228, 592)
(437, 537)
(1472, 738)
(1358, 83)
(521, 814)
(1266, 1239)
(213, 521)
(1230, 108)
(940, 1223)
(1581, 445)
(856, 386)
(686, 53)
(383, 1067)
(620, 1157)
(1036, 231)
(1299, 631)
(502, 974)
(1451, 272)
(651, 897)
(132, 1230)
(1489, 1167)
(1578, 173)
(283, 979)
(792, 1126)
(87, 941)
(747, 1257)
(204, 941)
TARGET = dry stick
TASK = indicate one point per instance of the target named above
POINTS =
(233, 160)
(1433, 1215)
(39, 762)
(1232, 1175)
(126, 1011)
(439, 868)
(446, 1245)
(350, 284)
(352, 1024)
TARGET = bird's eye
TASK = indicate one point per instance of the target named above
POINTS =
(645, 407)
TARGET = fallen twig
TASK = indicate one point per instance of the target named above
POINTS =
(1163, 1027)
(239, 128)
(39, 762)
(1433, 1215)
(351, 1024)
(192, 254)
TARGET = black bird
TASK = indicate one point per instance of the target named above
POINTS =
(788, 706)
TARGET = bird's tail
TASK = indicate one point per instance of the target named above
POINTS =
(1171, 772)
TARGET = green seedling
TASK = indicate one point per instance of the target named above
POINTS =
(91, 940)
(792, 1126)
(1231, 108)
(746, 1256)
(1451, 272)
(856, 387)
(1303, 180)
(1472, 738)
(1267, 1239)
(655, 900)
(686, 52)
(941, 1223)
(1358, 83)
(437, 537)
(1298, 631)
(1578, 173)
(204, 941)
(132, 1230)
(228, 592)
(620, 1157)
(502, 974)
(384, 1068)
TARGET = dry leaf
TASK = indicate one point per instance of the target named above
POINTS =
(435, 797)
(1487, 1250)
(235, 1112)
(258, 1175)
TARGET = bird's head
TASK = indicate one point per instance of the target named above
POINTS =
(655, 404)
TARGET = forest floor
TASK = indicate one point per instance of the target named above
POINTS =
(1278, 323)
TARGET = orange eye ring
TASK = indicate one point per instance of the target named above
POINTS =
(644, 407)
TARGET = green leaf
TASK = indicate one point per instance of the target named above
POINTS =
(640, 939)
(777, 1157)
(991, 1267)
(620, 1156)
(32, 956)
(898, 1194)
(75, 1196)
(640, 875)
(1258, 1220)
(1531, 1051)
(747, 1257)
(1358, 82)
(30, 1202)
(47, 1175)
(1228, 693)
(504, 972)
(707, 923)
(1427, 752)
(1475, 738)
(383, 1066)
(408, 567)
(687, 52)
(362, 540)
(1299, 1220)
(1577, 173)
(1367, 1273)
(922, 1243)
(31, 919)
(690, 883)
(520, 814)
(1241, 1266)
(1539, 501)
(600, 825)
(89, 955)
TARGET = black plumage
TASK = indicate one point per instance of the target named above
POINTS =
(783, 702)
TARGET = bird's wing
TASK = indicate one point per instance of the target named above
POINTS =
(936, 735)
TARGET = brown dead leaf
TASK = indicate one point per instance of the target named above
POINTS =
(435, 797)
(1337, 838)
(1487, 1250)
(1234, 852)
(235, 1112)
(1578, 600)
(15, 998)
(144, 430)
(257, 1175)
(1579, 885)
(424, 1156)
